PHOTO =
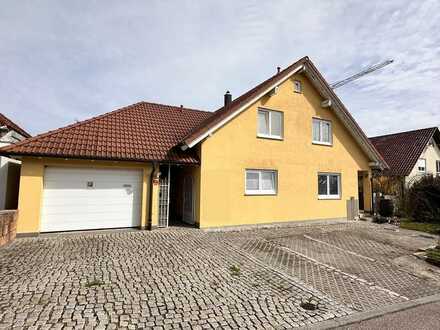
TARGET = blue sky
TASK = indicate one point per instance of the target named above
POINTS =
(62, 61)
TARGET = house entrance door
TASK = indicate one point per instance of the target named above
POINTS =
(188, 200)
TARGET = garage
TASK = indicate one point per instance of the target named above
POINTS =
(84, 198)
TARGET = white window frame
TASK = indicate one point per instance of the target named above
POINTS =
(260, 190)
(321, 121)
(418, 166)
(270, 135)
(297, 86)
(328, 196)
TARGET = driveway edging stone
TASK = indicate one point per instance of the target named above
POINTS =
(364, 316)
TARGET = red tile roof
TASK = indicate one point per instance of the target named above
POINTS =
(402, 150)
(4, 121)
(139, 132)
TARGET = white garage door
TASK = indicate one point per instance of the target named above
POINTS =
(79, 199)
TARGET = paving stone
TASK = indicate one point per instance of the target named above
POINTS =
(182, 278)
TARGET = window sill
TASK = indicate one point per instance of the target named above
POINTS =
(322, 143)
(327, 197)
(247, 193)
(269, 137)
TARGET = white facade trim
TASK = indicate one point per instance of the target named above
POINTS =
(241, 109)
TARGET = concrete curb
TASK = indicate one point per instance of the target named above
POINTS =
(363, 316)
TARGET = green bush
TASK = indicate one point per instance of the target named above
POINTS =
(423, 199)
(433, 256)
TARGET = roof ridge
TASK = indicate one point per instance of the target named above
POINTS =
(173, 106)
(404, 132)
(61, 129)
(92, 119)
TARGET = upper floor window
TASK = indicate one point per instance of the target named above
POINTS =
(322, 131)
(329, 186)
(261, 182)
(421, 165)
(437, 163)
(270, 124)
(297, 86)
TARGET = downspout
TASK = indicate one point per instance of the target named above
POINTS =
(373, 201)
(150, 197)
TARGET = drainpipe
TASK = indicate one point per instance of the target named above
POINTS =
(150, 195)
(373, 201)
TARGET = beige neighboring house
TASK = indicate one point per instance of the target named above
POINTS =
(10, 133)
(410, 154)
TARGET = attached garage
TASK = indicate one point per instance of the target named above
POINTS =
(84, 198)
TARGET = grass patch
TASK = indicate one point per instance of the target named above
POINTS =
(433, 256)
(432, 228)
(235, 270)
(93, 283)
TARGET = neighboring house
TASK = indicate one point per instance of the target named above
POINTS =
(409, 155)
(286, 150)
(10, 133)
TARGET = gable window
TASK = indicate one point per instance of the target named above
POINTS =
(261, 182)
(437, 163)
(421, 165)
(322, 131)
(270, 124)
(329, 186)
(297, 86)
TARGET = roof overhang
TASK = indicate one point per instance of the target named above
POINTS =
(234, 114)
(342, 113)
(332, 102)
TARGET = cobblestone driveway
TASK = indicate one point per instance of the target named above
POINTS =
(187, 278)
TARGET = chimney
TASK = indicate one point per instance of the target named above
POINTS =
(278, 69)
(228, 98)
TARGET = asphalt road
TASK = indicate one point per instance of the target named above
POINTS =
(421, 318)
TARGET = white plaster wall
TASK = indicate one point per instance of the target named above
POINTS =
(431, 154)
(8, 138)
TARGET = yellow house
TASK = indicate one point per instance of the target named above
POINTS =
(287, 150)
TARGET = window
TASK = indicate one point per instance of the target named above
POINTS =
(437, 163)
(261, 182)
(297, 87)
(329, 186)
(322, 131)
(270, 124)
(421, 165)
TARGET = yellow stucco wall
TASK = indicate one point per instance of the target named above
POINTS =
(235, 147)
(31, 187)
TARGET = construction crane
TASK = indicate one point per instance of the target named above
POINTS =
(361, 74)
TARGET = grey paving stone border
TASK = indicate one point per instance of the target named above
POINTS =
(364, 316)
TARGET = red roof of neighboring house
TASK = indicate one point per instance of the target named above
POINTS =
(4, 121)
(139, 132)
(402, 150)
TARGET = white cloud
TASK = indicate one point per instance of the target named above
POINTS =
(66, 60)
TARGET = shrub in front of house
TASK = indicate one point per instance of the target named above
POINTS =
(423, 199)
(433, 256)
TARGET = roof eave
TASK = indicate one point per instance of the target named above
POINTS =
(342, 113)
(325, 90)
(191, 142)
(73, 157)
